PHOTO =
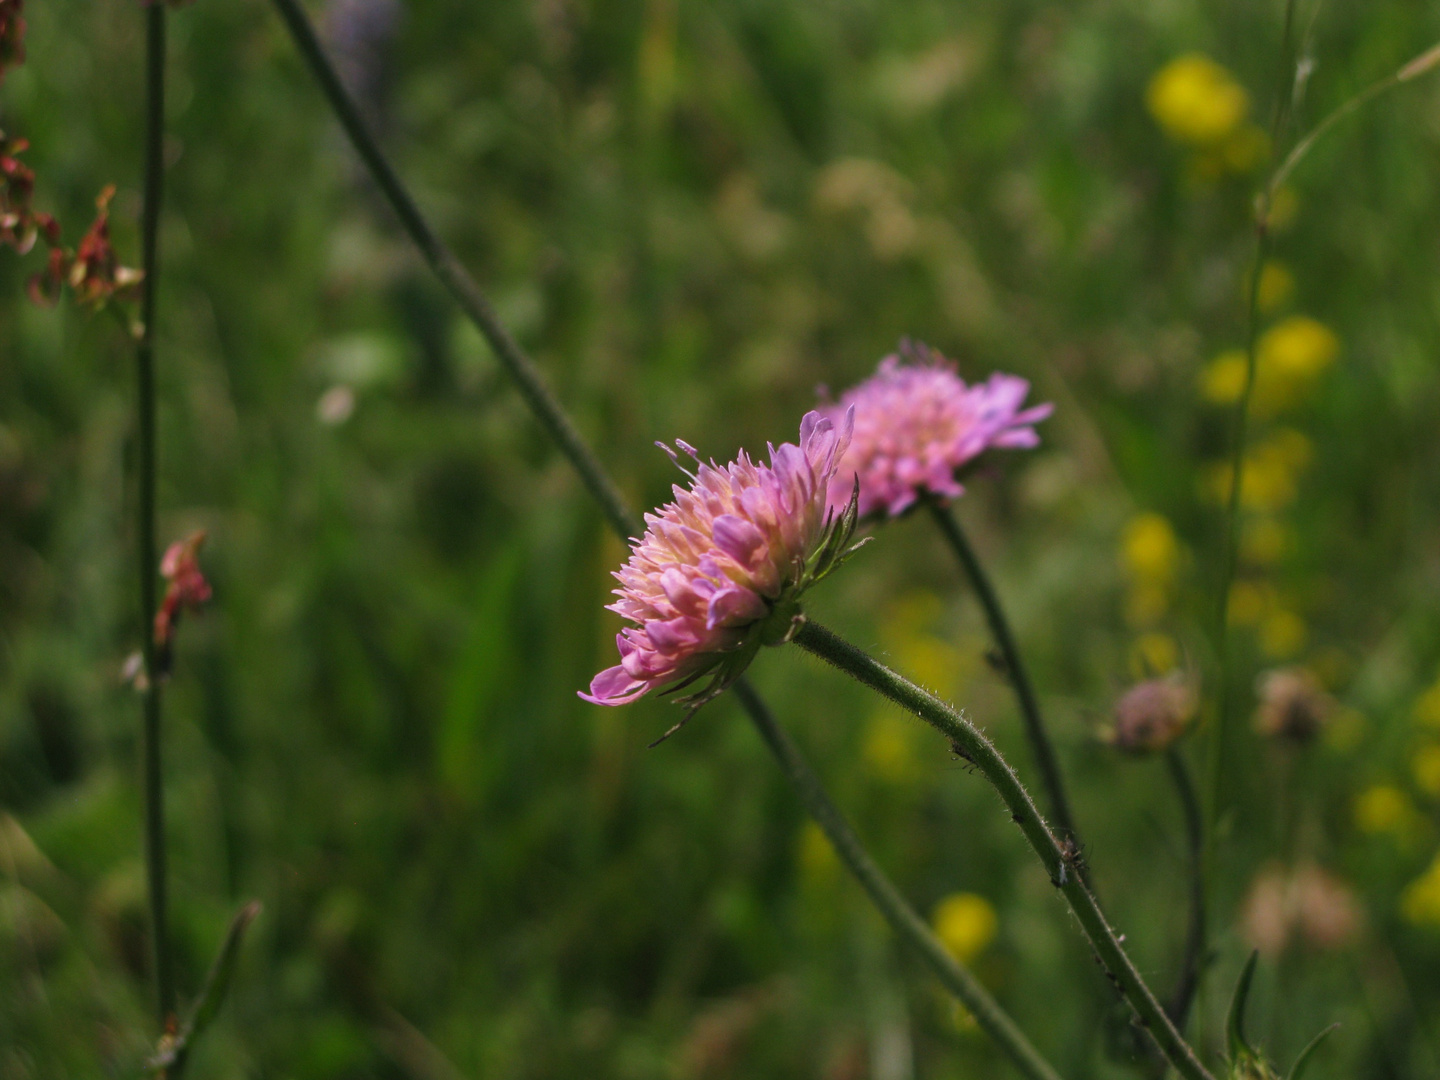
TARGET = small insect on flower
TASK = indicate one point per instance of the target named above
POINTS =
(720, 571)
(917, 424)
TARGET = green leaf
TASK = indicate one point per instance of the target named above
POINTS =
(173, 1049)
(1303, 1060)
(1235, 1023)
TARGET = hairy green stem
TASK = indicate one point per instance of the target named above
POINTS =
(901, 916)
(1193, 962)
(1040, 744)
(147, 555)
(1061, 860)
(956, 978)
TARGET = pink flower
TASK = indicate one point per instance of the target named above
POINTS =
(917, 424)
(186, 588)
(719, 571)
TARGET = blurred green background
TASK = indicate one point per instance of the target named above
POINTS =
(694, 214)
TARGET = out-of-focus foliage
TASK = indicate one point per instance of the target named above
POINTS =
(693, 214)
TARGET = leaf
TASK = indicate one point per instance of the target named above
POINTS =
(1305, 1055)
(174, 1049)
(1235, 1022)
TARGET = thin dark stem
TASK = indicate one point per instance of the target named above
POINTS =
(1219, 741)
(1059, 859)
(1194, 959)
(888, 899)
(956, 978)
(453, 276)
(1040, 744)
(147, 555)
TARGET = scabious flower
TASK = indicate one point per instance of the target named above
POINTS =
(1151, 715)
(1293, 706)
(719, 571)
(917, 423)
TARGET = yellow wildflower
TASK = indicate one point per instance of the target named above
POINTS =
(1426, 769)
(818, 862)
(1427, 707)
(1282, 634)
(1264, 541)
(1196, 100)
(1272, 472)
(1222, 381)
(965, 923)
(1420, 902)
(1384, 809)
(1248, 602)
(1153, 654)
(1149, 548)
(1277, 285)
(1289, 357)
(888, 750)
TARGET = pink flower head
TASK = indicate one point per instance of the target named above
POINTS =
(186, 588)
(719, 570)
(917, 424)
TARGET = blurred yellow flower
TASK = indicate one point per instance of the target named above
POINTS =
(1297, 348)
(1277, 285)
(1384, 809)
(1420, 902)
(1153, 654)
(887, 750)
(1282, 634)
(1427, 707)
(1149, 548)
(1248, 602)
(1426, 769)
(1264, 541)
(1289, 357)
(965, 923)
(931, 661)
(1196, 100)
(1272, 472)
(1222, 381)
(818, 862)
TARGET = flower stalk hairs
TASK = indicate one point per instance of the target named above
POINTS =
(917, 424)
(720, 571)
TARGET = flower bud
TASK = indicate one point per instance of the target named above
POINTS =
(1151, 715)
(1292, 705)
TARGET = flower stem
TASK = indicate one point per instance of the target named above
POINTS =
(457, 282)
(147, 554)
(1194, 959)
(1219, 741)
(1040, 743)
(1061, 862)
(901, 916)
(548, 410)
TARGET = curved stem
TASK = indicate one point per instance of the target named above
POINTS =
(1194, 959)
(1040, 744)
(460, 285)
(1060, 861)
(886, 897)
(146, 555)
(548, 410)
